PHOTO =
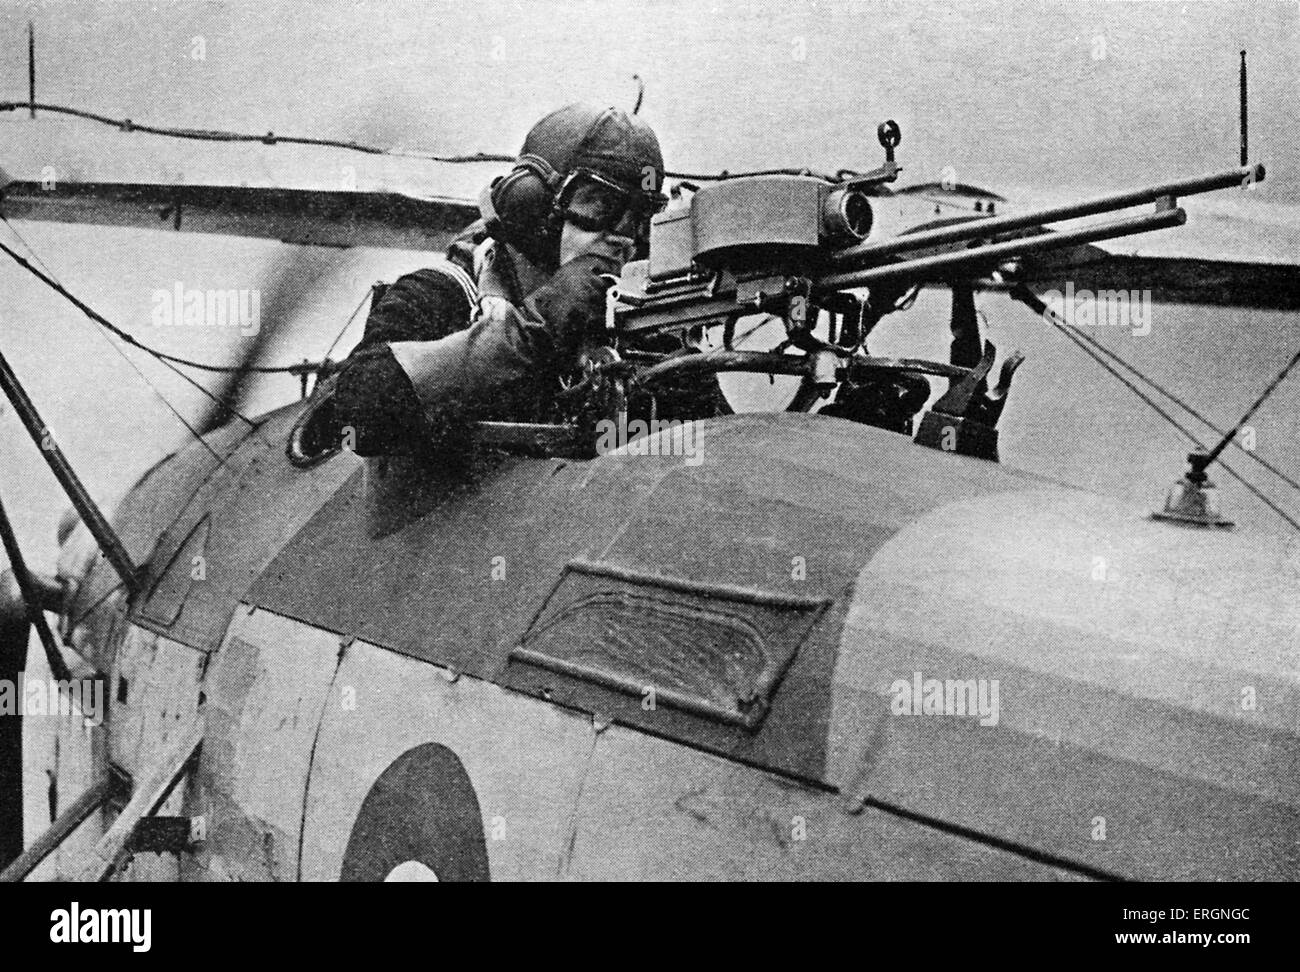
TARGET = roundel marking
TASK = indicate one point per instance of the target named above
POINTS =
(422, 810)
(411, 872)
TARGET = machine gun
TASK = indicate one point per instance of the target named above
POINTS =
(798, 247)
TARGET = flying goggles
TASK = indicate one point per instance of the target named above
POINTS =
(595, 203)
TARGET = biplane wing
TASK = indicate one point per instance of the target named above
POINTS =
(1232, 252)
(1236, 252)
(301, 216)
(67, 171)
(296, 194)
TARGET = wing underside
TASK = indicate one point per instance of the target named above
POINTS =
(302, 216)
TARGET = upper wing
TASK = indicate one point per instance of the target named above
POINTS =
(70, 172)
(1235, 250)
(314, 217)
(67, 171)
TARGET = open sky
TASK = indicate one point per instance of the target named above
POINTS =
(1020, 93)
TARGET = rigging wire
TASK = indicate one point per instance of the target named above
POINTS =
(299, 369)
(27, 246)
(163, 398)
(1194, 413)
(1263, 397)
(152, 387)
(1069, 332)
(104, 322)
(344, 329)
(169, 360)
(270, 138)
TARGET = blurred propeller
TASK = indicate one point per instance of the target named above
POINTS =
(284, 286)
(290, 280)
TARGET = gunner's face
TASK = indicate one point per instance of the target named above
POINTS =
(575, 241)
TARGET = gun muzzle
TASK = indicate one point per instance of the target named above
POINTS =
(847, 215)
(984, 227)
(985, 257)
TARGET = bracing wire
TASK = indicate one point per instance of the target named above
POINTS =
(344, 329)
(163, 398)
(270, 138)
(1263, 397)
(1070, 333)
(152, 387)
(1194, 413)
(99, 319)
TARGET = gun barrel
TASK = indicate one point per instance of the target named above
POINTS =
(978, 228)
(922, 268)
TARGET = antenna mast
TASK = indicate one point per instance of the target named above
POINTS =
(1245, 155)
(31, 68)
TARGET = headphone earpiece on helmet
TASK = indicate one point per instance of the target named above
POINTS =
(524, 208)
(519, 208)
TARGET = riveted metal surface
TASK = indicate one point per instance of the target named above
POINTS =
(655, 811)
(790, 506)
(161, 496)
(153, 693)
(253, 503)
(268, 687)
(1146, 710)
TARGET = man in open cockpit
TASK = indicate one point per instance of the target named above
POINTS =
(491, 332)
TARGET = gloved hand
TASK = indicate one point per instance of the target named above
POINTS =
(572, 302)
